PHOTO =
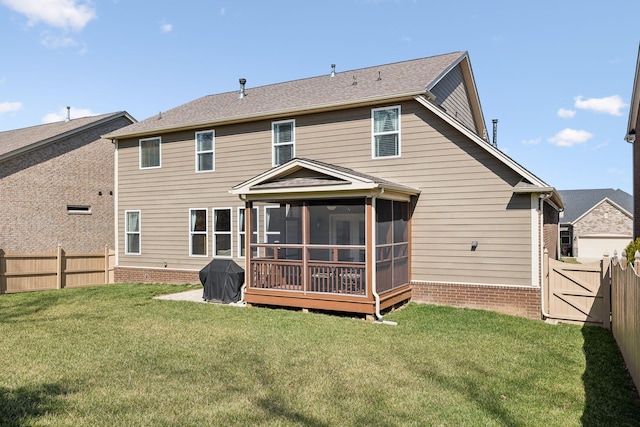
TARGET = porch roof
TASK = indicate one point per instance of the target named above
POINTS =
(305, 178)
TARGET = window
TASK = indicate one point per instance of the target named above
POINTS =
(132, 232)
(149, 153)
(198, 232)
(284, 139)
(241, 230)
(386, 132)
(222, 232)
(205, 158)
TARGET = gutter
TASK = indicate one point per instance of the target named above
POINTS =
(541, 198)
(376, 296)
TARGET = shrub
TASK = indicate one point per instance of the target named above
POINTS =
(631, 249)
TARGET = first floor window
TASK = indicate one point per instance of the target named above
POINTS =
(149, 153)
(283, 141)
(241, 230)
(222, 232)
(198, 232)
(204, 151)
(386, 132)
(132, 232)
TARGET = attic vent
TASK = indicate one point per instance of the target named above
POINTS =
(242, 93)
(78, 210)
(333, 70)
(355, 82)
(68, 114)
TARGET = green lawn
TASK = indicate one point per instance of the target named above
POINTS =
(113, 356)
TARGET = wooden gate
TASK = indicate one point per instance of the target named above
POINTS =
(578, 293)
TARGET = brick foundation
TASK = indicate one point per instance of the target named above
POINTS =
(518, 301)
(150, 275)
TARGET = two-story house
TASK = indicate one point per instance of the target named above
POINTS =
(57, 185)
(350, 191)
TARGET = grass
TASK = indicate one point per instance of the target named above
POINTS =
(113, 356)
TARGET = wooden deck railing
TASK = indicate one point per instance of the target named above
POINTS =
(269, 271)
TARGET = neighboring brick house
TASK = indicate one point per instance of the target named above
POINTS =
(57, 183)
(595, 221)
(633, 128)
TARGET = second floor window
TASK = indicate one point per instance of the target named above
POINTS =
(205, 158)
(149, 153)
(386, 132)
(284, 139)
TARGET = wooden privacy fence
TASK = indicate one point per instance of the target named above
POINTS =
(625, 312)
(57, 269)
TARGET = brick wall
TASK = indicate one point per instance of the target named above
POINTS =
(148, 275)
(518, 301)
(37, 186)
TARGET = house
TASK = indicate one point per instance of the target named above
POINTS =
(595, 221)
(633, 127)
(56, 185)
(350, 191)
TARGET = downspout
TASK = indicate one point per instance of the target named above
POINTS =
(243, 288)
(541, 198)
(376, 296)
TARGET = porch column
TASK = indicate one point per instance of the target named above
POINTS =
(248, 212)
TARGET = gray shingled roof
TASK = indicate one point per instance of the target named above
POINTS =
(578, 202)
(12, 141)
(348, 87)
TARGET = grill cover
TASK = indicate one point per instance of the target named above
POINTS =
(222, 280)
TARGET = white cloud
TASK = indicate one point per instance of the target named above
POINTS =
(222, 11)
(62, 114)
(566, 114)
(166, 28)
(570, 137)
(608, 105)
(9, 107)
(55, 42)
(531, 141)
(65, 14)
(406, 39)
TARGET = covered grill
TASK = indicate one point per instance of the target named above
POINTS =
(222, 280)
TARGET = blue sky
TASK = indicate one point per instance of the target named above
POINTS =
(556, 74)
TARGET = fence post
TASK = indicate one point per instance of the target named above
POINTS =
(106, 264)
(605, 288)
(59, 267)
(2, 272)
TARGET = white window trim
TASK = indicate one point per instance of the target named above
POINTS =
(126, 232)
(206, 233)
(159, 152)
(212, 151)
(243, 233)
(230, 232)
(374, 134)
(273, 139)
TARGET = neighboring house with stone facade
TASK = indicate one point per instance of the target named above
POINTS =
(350, 191)
(595, 221)
(56, 185)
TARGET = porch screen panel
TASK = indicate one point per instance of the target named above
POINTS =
(392, 244)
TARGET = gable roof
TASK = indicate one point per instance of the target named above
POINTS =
(400, 80)
(297, 177)
(579, 202)
(18, 141)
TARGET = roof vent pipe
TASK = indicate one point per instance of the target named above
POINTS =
(333, 70)
(242, 94)
(68, 114)
(495, 132)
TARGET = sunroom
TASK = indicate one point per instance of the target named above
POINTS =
(334, 239)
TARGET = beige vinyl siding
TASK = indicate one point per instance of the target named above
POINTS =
(452, 95)
(466, 193)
